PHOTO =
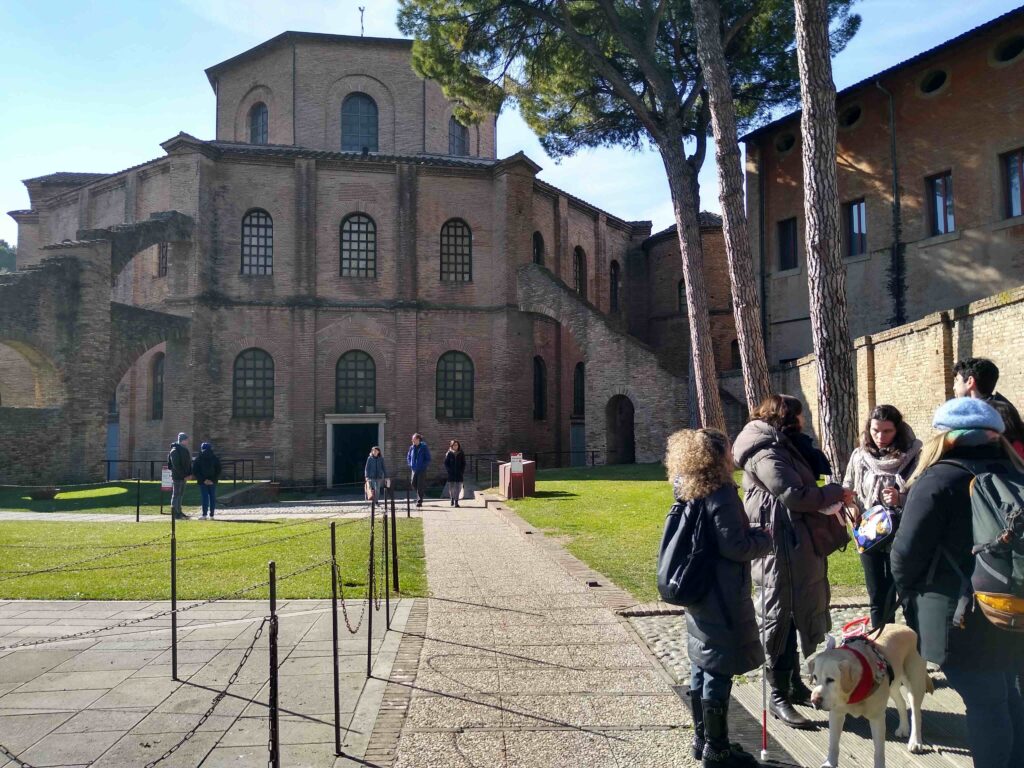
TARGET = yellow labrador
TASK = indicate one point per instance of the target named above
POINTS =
(859, 679)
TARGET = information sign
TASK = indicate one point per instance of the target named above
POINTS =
(517, 464)
(166, 483)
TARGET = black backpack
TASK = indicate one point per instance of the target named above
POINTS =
(685, 574)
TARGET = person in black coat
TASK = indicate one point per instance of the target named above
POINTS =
(206, 469)
(931, 557)
(455, 467)
(723, 636)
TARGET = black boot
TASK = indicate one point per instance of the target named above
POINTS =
(697, 708)
(799, 693)
(779, 704)
(718, 752)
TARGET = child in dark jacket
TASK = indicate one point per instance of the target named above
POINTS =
(723, 635)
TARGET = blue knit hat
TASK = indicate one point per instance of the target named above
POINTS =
(205, 447)
(967, 413)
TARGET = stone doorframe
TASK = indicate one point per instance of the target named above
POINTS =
(330, 419)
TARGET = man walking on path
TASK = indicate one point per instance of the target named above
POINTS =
(206, 470)
(179, 461)
(418, 459)
(977, 377)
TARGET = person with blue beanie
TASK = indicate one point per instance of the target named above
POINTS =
(207, 469)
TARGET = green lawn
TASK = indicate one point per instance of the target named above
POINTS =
(116, 497)
(612, 518)
(214, 558)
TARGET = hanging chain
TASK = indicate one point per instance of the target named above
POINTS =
(344, 606)
(18, 762)
(216, 699)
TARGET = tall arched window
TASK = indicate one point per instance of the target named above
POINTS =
(358, 246)
(355, 383)
(456, 252)
(735, 360)
(682, 297)
(257, 243)
(540, 389)
(157, 387)
(358, 123)
(578, 390)
(259, 132)
(253, 385)
(613, 286)
(538, 248)
(579, 271)
(458, 138)
(454, 386)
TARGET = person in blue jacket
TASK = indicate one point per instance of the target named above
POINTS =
(418, 459)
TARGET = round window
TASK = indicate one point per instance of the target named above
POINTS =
(934, 80)
(850, 116)
(785, 142)
(1009, 49)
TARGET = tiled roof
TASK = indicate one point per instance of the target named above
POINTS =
(708, 220)
(953, 41)
(66, 178)
(287, 150)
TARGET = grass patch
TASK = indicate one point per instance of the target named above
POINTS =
(115, 498)
(612, 518)
(214, 558)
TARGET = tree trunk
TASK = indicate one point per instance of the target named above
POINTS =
(746, 304)
(682, 184)
(826, 272)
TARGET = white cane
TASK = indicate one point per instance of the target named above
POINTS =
(764, 677)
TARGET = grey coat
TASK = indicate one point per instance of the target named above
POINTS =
(722, 628)
(780, 489)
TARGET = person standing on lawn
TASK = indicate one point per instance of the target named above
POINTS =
(455, 467)
(206, 470)
(781, 494)
(722, 629)
(418, 459)
(878, 472)
(179, 461)
(374, 472)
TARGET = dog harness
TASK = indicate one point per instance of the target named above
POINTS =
(873, 666)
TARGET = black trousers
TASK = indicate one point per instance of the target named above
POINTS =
(879, 581)
(789, 659)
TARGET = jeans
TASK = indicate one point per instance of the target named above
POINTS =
(713, 686)
(419, 483)
(177, 491)
(995, 715)
(879, 581)
(209, 496)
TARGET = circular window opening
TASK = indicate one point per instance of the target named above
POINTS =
(934, 80)
(1010, 49)
(850, 116)
(785, 142)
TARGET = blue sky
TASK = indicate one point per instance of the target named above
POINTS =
(96, 86)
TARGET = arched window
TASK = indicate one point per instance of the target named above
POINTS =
(257, 243)
(613, 286)
(458, 138)
(456, 252)
(358, 246)
(358, 123)
(682, 297)
(355, 383)
(734, 355)
(258, 124)
(579, 271)
(253, 385)
(538, 248)
(540, 384)
(454, 386)
(157, 387)
(578, 390)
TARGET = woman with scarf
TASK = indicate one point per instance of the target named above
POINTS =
(877, 474)
(932, 548)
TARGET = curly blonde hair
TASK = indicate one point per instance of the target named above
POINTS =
(698, 462)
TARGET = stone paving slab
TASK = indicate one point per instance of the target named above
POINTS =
(97, 701)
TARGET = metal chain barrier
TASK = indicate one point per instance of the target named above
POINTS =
(216, 699)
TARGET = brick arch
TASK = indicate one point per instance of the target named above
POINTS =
(254, 95)
(28, 377)
(129, 240)
(134, 332)
(375, 89)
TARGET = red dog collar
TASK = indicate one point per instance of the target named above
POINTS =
(867, 684)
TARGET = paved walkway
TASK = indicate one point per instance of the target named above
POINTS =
(110, 702)
(522, 665)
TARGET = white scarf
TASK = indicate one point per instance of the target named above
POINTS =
(869, 475)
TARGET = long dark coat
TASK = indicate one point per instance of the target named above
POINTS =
(779, 490)
(722, 628)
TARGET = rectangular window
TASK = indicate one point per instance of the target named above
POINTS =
(161, 260)
(940, 203)
(856, 229)
(787, 244)
(1013, 181)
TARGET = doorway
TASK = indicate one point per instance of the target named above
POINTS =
(352, 444)
(577, 444)
(113, 438)
(621, 440)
